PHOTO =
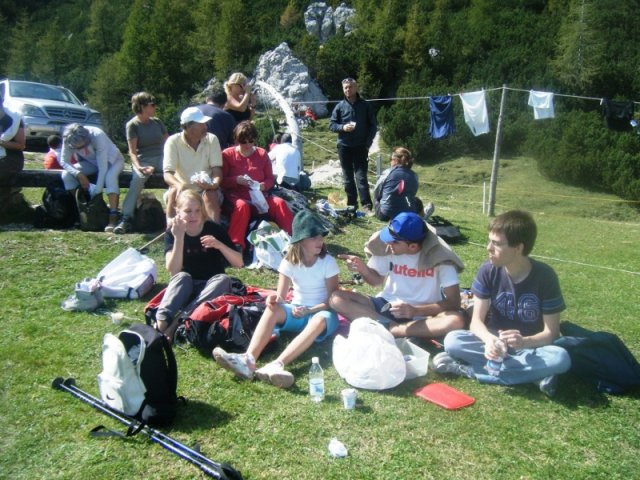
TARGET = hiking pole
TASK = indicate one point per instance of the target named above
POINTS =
(212, 469)
(209, 467)
(145, 248)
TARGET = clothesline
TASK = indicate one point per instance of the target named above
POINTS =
(393, 99)
(565, 95)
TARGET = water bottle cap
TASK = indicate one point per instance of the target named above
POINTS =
(315, 360)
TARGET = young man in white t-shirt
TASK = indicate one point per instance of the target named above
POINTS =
(418, 299)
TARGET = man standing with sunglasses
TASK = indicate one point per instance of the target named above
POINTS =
(354, 120)
(419, 275)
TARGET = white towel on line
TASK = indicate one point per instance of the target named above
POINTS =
(475, 112)
(542, 103)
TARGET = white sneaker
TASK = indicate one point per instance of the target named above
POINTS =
(275, 374)
(428, 210)
(238, 363)
(444, 363)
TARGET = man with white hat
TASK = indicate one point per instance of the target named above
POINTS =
(189, 153)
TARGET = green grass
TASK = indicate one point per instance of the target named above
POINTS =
(589, 238)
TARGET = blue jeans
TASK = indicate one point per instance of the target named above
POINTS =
(520, 366)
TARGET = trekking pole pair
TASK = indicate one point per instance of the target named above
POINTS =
(220, 471)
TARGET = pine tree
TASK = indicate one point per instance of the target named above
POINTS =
(21, 45)
(579, 54)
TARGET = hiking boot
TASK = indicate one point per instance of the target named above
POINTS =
(548, 385)
(443, 363)
(368, 211)
(428, 210)
(238, 363)
(113, 221)
(275, 374)
(125, 226)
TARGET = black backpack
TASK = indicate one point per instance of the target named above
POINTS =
(600, 358)
(58, 209)
(150, 216)
(227, 321)
(446, 230)
(145, 369)
(235, 335)
(93, 212)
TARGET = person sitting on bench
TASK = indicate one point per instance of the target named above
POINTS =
(241, 165)
(96, 154)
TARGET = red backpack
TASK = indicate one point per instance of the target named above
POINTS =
(227, 321)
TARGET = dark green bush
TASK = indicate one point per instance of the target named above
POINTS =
(578, 149)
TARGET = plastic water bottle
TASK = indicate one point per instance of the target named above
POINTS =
(316, 381)
(494, 366)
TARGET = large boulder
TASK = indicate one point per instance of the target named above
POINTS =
(290, 77)
(323, 22)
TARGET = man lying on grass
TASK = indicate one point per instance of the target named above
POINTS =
(517, 303)
(421, 293)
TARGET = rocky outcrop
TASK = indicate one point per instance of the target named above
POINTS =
(290, 77)
(323, 22)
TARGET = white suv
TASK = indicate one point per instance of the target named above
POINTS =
(46, 109)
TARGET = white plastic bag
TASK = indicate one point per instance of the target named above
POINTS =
(369, 357)
(416, 359)
(258, 199)
(129, 275)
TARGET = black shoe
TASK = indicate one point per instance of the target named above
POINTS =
(548, 385)
(124, 226)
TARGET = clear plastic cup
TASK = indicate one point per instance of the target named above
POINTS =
(349, 396)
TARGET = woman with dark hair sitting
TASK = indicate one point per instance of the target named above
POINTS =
(396, 189)
(146, 135)
(245, 165)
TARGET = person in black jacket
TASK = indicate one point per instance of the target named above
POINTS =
(396, 189)
(354, 121)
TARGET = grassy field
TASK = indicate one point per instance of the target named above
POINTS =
(509, 433)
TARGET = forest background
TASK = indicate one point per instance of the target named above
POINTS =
(104, 50)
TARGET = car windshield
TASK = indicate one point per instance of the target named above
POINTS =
(41, 91)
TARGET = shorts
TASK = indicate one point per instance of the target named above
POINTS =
(378, 303)
(296, 325)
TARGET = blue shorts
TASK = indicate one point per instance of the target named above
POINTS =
(296, 325)
(378, 303)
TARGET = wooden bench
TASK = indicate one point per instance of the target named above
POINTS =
(42, 178)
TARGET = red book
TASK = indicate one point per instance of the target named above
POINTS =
(445, 396)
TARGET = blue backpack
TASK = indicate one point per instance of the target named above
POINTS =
(600, 358)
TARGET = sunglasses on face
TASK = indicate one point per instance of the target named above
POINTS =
(246, 142)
